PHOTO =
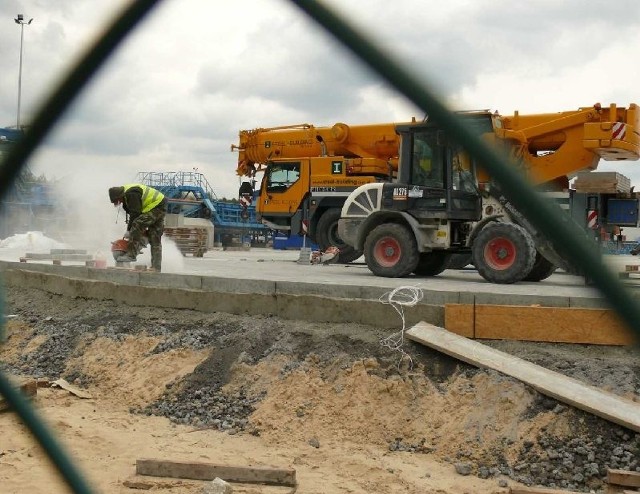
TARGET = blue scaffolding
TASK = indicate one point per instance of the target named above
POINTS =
(189, 194)
(28, 205)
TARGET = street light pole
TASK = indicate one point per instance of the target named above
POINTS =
(20, 20)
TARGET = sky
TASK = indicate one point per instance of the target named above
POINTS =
(196, 72)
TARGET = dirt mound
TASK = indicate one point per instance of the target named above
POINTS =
(327, 387)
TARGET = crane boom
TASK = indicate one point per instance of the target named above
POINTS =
(258, 146)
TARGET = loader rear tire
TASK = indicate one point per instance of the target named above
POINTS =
(503, 253)
(432, 263)
(390, 251)
(541, 270)
(327, 236)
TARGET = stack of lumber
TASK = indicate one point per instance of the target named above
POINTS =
(602, 182)
(189, 240)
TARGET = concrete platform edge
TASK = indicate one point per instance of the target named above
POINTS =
(320, 302)
(311, 308)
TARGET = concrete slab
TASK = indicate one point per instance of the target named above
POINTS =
(192, 282)
(238, 285)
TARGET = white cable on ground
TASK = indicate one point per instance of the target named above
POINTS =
(398, 298)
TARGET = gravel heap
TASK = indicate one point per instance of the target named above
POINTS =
(197, 399)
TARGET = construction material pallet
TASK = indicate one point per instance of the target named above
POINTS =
(189, 240)
(629, 269)
(602, 182)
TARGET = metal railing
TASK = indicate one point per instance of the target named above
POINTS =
(177, 179)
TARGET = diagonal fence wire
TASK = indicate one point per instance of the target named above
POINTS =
(45, 120)
(566, 236)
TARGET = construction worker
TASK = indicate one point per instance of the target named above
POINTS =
(146, 209)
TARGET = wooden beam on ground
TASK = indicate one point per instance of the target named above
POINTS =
(534, 323)
(624, 478)
(566, 389)
(209, 471)
(539, 490)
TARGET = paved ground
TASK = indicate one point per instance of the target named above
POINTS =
(279, 265)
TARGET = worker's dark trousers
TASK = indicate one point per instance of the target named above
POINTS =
(153, 224)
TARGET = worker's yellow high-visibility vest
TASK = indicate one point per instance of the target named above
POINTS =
(150, 197)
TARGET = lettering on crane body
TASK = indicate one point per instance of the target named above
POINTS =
(351, 182)
(301, 142)
(280, 202)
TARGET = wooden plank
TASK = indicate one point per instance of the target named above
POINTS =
(539, 490)
(568, 390)
(552, 324)
(459, 319)
(209, 471)
(625, 478)
(74, 390)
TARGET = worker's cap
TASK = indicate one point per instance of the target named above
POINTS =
(116, 193)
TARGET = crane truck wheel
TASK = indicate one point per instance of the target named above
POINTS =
(327, 236)
(432, 263)
(541, 270)
(503, 253)
(390, 251)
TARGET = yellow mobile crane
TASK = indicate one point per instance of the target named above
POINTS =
(309, 172)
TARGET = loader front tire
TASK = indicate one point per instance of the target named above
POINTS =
(503, 253)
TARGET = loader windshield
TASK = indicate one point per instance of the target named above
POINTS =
(427, 163)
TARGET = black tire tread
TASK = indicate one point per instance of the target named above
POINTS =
(329, 222)
(525, 247)
(409, 260)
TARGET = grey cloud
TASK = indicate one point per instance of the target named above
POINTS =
(308, 72)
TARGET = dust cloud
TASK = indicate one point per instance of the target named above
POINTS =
(82, 217)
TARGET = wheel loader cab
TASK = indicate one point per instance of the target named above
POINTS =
(439, 174)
